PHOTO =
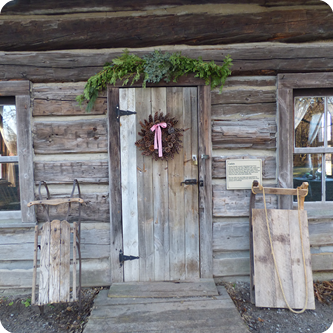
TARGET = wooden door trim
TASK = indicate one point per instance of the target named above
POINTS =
(205, 174)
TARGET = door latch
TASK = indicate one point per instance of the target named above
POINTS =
(191, 182)
(123, 257)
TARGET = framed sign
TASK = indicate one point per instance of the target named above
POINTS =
(241, 173)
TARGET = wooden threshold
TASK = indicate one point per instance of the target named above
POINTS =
(197, 288)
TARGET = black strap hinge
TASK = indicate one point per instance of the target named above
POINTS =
(120, 113)
(123, 257)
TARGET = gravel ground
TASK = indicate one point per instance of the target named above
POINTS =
(269, 320)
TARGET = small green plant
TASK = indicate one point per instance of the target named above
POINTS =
(11, 303)
(153, 67)
(27, 302)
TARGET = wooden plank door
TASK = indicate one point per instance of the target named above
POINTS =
(160, 216)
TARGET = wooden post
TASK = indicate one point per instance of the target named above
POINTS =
(252, 206)
(33, 300)
(74, 260)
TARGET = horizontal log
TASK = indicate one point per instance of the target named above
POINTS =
(268, 165)
(249, 81)
(248, 59)
(94, 273)
(78, 6)
(91, 233)
(257, 134)
(244, 111)
(64, 172)
(241, 266)
(96, 208)
(99, 31)
(14, 88)
(55, 202)
(233, 203)
(233, 236)
(84, 136)
(321, 233)
(244, 95)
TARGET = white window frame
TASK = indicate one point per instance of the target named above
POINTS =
(21, 91)
(287, 83)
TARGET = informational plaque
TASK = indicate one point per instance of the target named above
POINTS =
(241, 173)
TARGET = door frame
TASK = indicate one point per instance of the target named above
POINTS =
(204, 165)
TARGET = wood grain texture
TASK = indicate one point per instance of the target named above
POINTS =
(145, 199)
(261, 59)
(116, 239)
(205, 174)
(129, 188)
(286, 241)
(44, 270)
(25, 154)
(59, 99)
(83, 136)
(161, 200)
(55, 261)
(255, 134)
(63, 172)
(64, 269)
(289, 24)
(234, 203)
(176, 193)
(268, 165)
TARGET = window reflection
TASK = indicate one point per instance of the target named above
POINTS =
(9, 174)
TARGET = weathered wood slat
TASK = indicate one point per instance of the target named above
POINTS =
(268, 165)
(190, 144)
(236, 202)
(231, 267)
(256, 134)
(14, 88)
(129, 193)
(44, 264)
(161, 202)
(100, 31)
(176, 193)
(244, 111)
(146, 199)
(96, 208)
(93, 171)
(263, 58)
(84, 136)
(189, 288)
(64, 269)
(55, 262)
(205, 174)
(244, 95)
(286, 242)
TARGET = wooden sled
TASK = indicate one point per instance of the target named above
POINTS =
(55, 262)
(281, 273)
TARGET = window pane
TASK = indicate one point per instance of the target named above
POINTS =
(9, 187)
(309, 121)
(329, 177)
(8, 132)
(308, 168)
(329, 121)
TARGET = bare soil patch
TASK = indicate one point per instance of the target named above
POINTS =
(18, 316)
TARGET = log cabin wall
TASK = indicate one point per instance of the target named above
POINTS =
(70, 143)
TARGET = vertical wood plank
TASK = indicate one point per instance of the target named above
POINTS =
(285, 142)
(44, 264)
(75, 230)
(205, 174)
(190, 147)
(129, 183)
(54, 270)
(252, 281)
(176, 193)
(25, 156)
(116, 238)
(34, 275)
(145, 195)
(65, 231)
(161, 200)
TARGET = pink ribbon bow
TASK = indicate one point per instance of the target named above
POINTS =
(158, 137)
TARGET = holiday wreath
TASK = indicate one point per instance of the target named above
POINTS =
(160, 139)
